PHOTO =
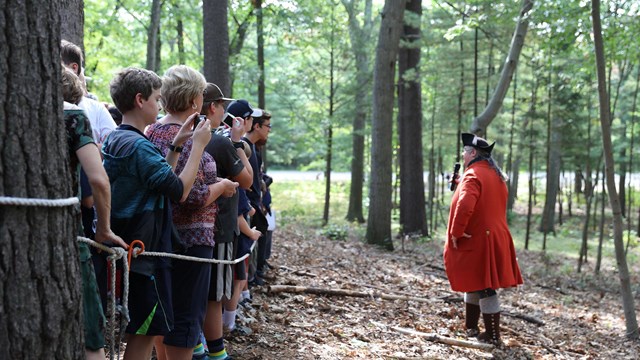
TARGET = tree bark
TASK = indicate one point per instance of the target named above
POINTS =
(153, 33)
(360, 36)
(482, 121)
(412, 201)
(614, 201)
(379, 220)
(216, 44)
(72, 21)
(260, 37)
(553, 177)
(40, 297)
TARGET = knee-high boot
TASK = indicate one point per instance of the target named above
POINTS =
(472, 315)
(492, 328)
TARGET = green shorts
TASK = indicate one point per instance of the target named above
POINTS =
(94, 320)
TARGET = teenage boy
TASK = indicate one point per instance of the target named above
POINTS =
(259, 133)
(231, 163)
(142, 185)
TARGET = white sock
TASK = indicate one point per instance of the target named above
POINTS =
(229, 319)
(246, 294)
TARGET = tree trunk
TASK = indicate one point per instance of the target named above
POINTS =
(553, 177)
(153, 33)
(482, 121)
(601, 227)
(379, 220)
(327, 172)
(432, 163)
(513, 180)
(360, 36)
(40, 296)
(412, 201)
(182, 59)
(237, 41)
(631, 148)
(216, 44)
(260, 37)
(72, 21)
(623, 270)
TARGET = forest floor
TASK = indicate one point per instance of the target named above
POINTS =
(580, 315)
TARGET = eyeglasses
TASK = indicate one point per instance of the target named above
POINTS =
(267, 125)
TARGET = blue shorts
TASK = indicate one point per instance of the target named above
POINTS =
(190, 281)
(150, 303)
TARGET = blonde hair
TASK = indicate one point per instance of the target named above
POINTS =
(180, 86)
(72, 89)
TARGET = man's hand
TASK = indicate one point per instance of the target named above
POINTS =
(237, 130)
(107, 237)
(454, 240)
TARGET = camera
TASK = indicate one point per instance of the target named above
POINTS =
(197, 121)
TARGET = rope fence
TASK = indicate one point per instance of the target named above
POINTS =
(115, 253)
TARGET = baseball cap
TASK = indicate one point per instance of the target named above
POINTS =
(213, 93)
(242, 108)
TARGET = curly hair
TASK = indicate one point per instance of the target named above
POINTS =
(72, 90)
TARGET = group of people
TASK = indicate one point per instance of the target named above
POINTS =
(190, 182)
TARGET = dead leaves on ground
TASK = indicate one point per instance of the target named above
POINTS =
(582, 318)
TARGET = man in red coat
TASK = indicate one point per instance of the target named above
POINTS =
(479, 255)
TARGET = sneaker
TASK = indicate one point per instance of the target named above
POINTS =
(266, 263)
(239, 331)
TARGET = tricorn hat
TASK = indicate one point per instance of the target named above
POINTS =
(477, 142)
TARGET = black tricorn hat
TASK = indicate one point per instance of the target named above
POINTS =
(477, 142)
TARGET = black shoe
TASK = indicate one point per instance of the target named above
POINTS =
(266, 263)
(257, 281)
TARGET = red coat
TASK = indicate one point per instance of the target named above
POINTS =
(487, 259)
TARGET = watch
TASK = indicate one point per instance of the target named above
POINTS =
(174, 148)
(238, 145)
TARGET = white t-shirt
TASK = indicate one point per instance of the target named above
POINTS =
(102, 123)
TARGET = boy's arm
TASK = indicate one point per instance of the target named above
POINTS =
(91, 162)
(251, 233)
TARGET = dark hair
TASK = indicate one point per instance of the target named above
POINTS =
(115, 114)
(71, 53)
(132, 81)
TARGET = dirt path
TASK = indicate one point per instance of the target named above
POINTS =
(582, 316)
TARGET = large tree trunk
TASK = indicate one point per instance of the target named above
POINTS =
(360, 36)
(623, 270)
(379, 220)
(412, 204)
(482, 121)
(72, 21)
(40, 297)
(216, 44)
(153, 33)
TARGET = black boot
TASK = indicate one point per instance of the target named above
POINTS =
(472, 316)
(492, 328)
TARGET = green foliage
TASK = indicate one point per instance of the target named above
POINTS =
(335, 232)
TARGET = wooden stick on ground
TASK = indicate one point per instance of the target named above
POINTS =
(444, 340)
(524, 317)
(274, 289)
